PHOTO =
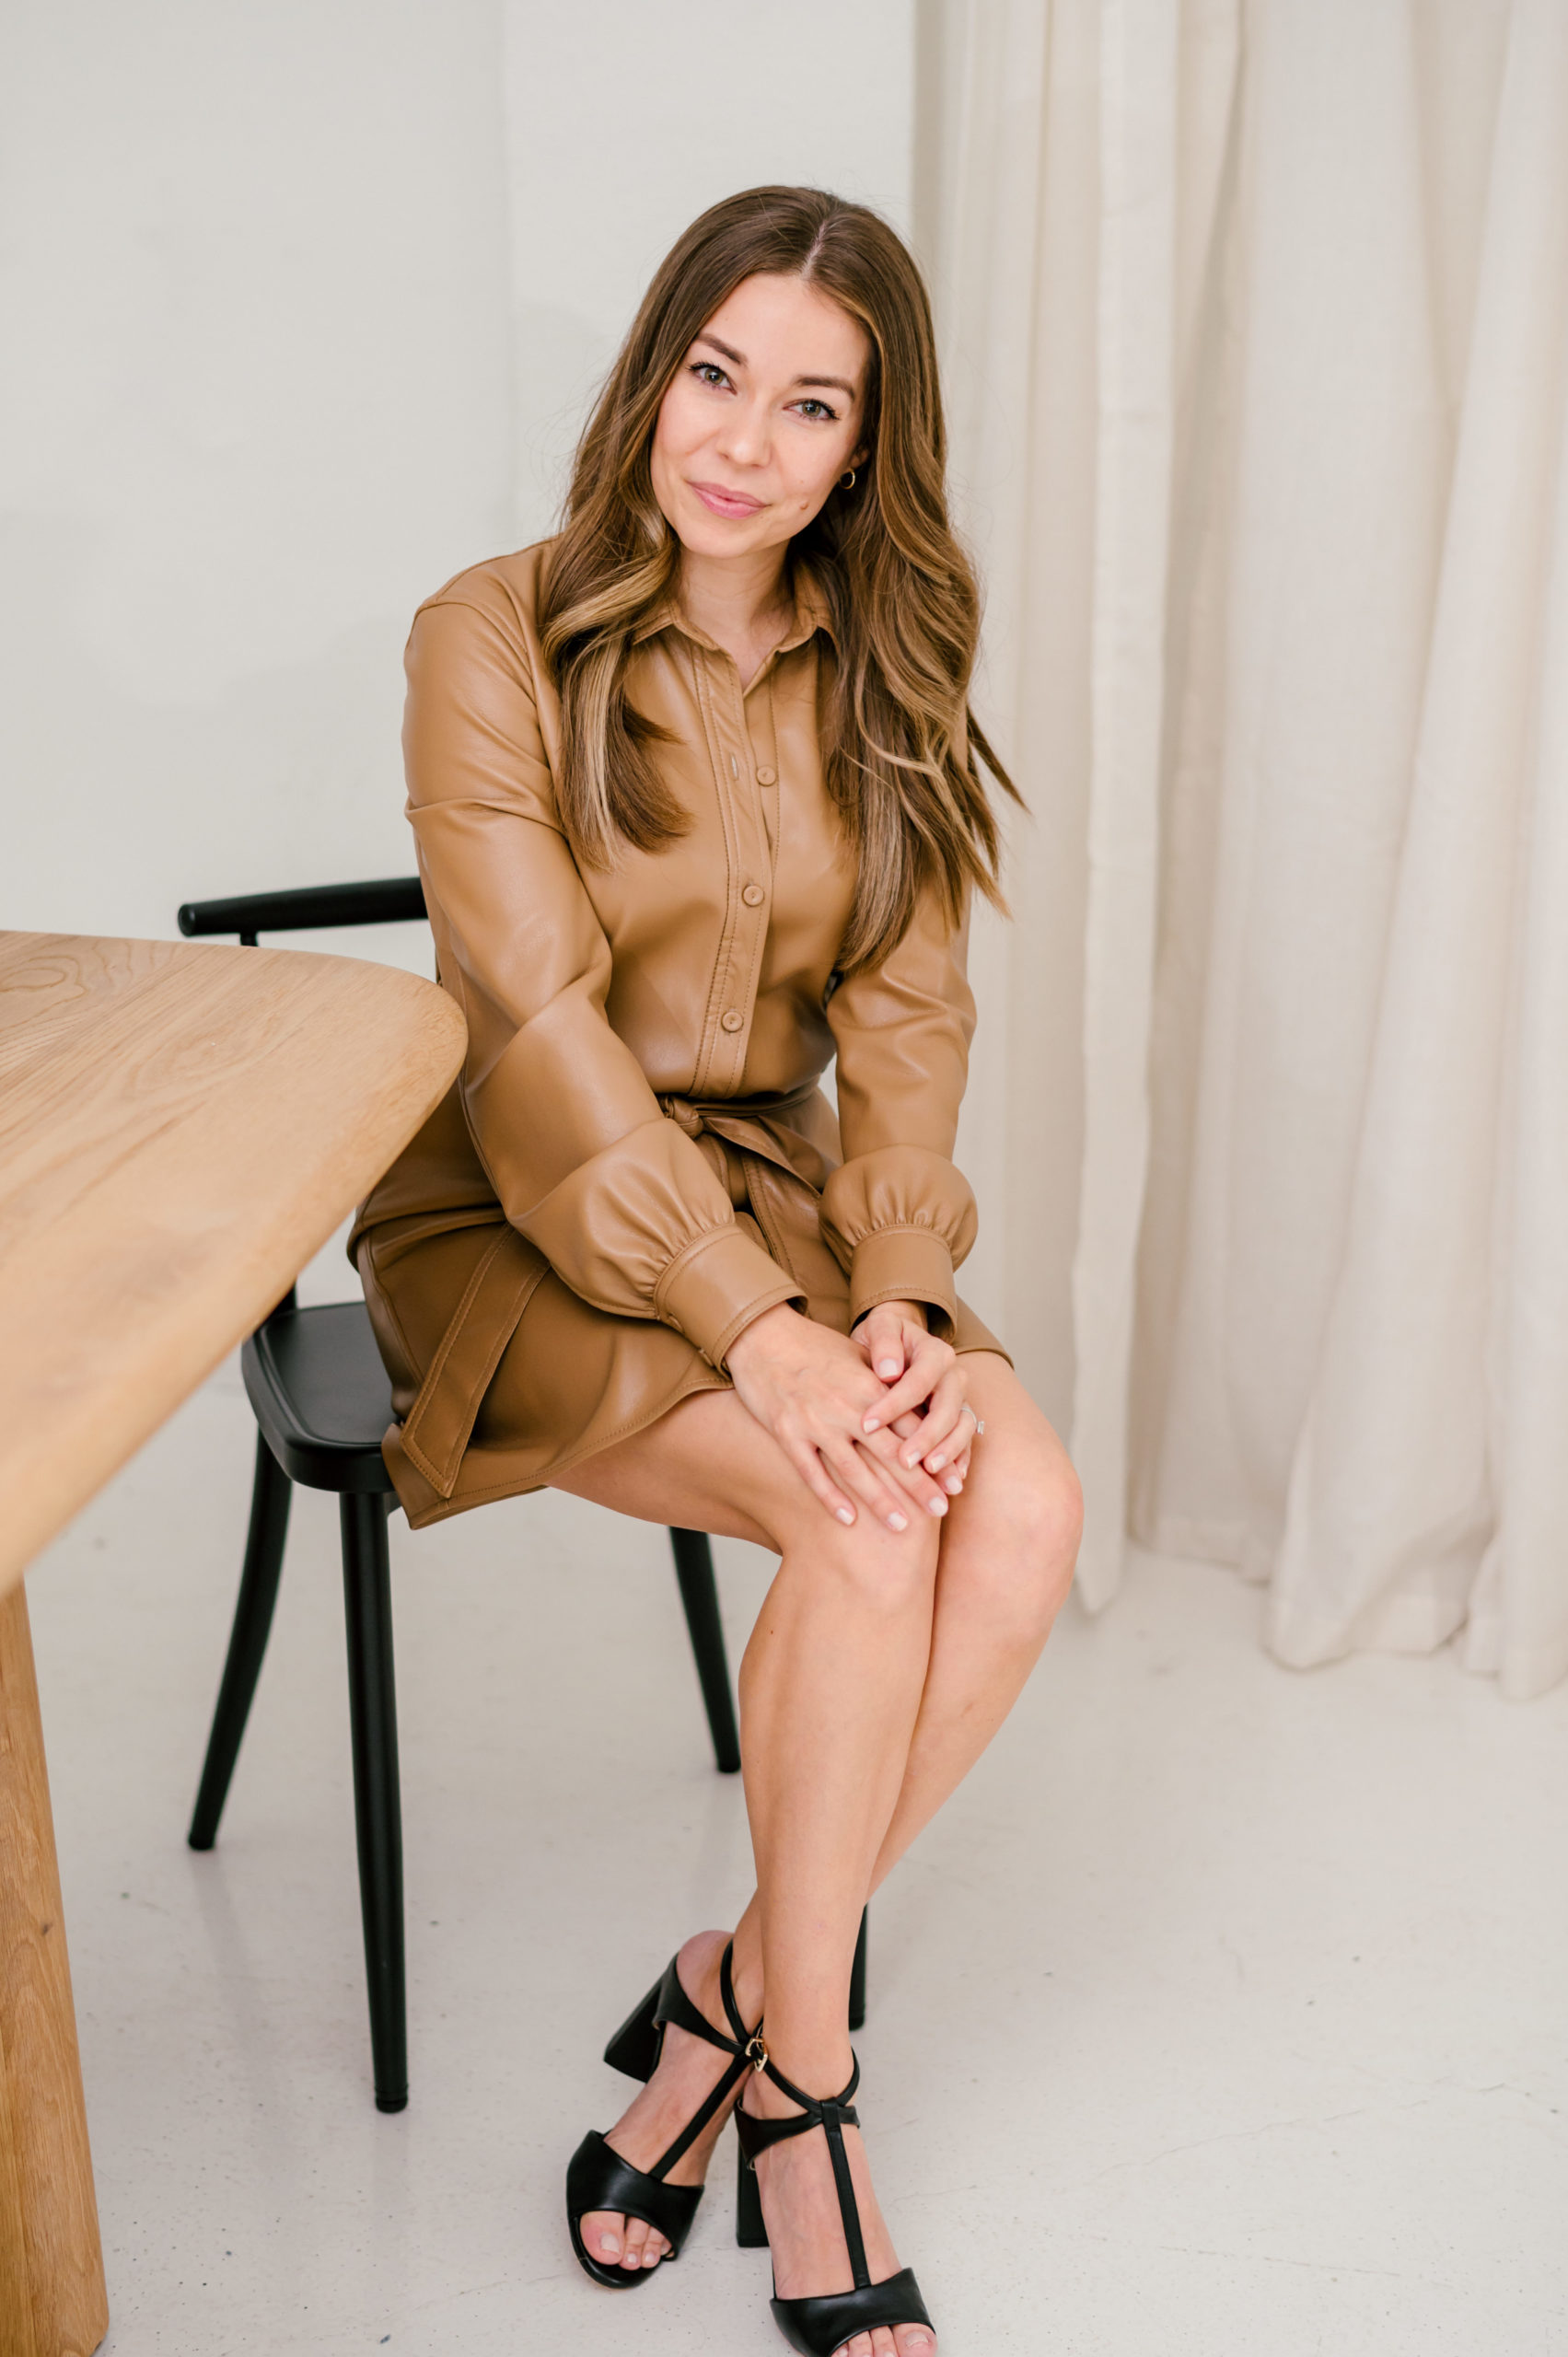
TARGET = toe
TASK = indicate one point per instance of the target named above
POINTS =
(654, 2248)
(914, 2341)
(636, 2236)
(601, 2231)
(882, 2342)
(859, 2347)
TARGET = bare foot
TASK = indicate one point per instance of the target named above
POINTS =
(689, 2070)
(805, 2231)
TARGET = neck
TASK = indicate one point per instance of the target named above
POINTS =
(732, 598)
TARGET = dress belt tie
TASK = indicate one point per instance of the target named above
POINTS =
(778, 1161)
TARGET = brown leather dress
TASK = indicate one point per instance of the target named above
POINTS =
(636, 1159)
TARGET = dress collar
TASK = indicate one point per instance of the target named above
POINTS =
(811, 614)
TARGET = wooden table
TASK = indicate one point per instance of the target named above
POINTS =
(182, 1126)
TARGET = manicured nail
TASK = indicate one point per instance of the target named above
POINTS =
(610, 2245)
(896, 1522)
(871, 1423)
(650, 2258)
(952, 1485)
(887, 1366)
(936, 1505)
(844, 1515)
(933, 1464)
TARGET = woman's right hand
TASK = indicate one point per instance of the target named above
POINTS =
(812, 1389)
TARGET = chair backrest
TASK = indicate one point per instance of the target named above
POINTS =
(391, 901)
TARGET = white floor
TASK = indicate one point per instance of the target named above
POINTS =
(1225, 2011)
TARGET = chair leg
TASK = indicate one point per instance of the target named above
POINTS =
(372, 1720)
(270, 1498)
(857, 1975)
(694, 1570)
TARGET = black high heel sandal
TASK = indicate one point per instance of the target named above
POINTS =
(597, 2178)
(817, 2326)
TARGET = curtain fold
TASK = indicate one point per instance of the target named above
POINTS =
(1256, 318)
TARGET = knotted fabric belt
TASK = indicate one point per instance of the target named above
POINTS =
(780, 1163)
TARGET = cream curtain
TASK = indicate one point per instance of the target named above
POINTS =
(1256, 324)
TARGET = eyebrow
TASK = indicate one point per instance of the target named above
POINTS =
(729, 352)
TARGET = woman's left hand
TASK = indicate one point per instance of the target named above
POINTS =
(925, 1403)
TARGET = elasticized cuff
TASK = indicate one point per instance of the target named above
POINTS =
(717, 1285)
(905, 1264)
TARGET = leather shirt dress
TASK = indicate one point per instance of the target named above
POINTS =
(636, 1159)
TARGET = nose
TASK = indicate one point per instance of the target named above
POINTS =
(746, 435)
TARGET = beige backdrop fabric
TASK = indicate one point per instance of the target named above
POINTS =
(1256, 322)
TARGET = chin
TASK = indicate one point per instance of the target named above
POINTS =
(706, 534)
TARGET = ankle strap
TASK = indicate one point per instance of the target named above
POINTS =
(833, 2114)
(675, 2005)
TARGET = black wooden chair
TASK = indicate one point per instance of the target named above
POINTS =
(323, 1401)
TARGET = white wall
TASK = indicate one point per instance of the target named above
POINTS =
(671, 107)
(254, 278)
(302, 305)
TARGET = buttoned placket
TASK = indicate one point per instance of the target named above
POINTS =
(743, 775)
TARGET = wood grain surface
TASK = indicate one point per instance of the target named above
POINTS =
(52, 2302)
(182, 1126)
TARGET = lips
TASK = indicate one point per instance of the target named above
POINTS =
(720, 502)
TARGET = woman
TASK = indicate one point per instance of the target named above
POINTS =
(697, 805)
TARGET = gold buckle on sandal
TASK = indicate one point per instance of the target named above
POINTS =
(756, 2052)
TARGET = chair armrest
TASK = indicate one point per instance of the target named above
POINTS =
(390, 901)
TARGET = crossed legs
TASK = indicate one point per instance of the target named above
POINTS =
(881, 1666)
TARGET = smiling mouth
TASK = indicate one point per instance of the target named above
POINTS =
(720, 502)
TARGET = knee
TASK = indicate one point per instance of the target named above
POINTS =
(1029, 1548)
(887, 1572)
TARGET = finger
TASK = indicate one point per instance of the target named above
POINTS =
(948, 1425)
(888, 1455)
(855, 1471)
(807, 1463)
(958, 1472)
(883, 1341)
(914, 1387)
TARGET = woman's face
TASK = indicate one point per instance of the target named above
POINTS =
(761, 419)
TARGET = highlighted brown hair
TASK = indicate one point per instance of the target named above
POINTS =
(899, 743)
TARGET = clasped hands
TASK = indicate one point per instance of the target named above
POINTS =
(876, 1419)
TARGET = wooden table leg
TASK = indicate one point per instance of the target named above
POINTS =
(52, 2302)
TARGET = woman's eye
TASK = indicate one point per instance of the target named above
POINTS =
(709, 372)
(814, 409)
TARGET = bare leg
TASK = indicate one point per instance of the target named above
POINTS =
(891, 1692)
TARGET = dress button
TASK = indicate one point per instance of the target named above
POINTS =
(732, 1019)
(753, 895)
(766, 777)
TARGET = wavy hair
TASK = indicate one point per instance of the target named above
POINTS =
(899, 740)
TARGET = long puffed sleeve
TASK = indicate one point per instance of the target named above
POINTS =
(622, 1203)
(898, 1215)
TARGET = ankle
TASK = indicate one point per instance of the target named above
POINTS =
(820, 2068)
(701, 1963)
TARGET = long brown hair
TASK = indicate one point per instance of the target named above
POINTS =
(899, 740)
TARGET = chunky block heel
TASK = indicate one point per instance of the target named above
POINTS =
(750, 2231)
(818, 2326)
(598, 2178)
(636, 2047)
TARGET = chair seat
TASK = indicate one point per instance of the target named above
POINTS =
(321, 1395)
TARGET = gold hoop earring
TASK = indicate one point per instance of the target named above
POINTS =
(846, 482)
